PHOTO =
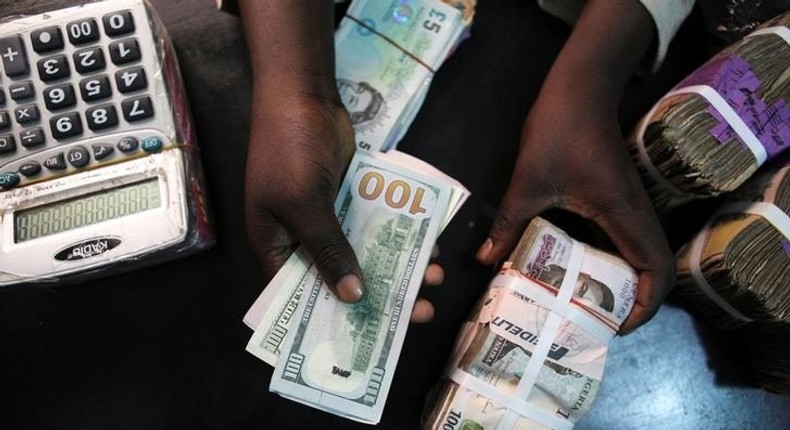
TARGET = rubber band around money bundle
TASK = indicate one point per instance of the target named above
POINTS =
(362, 23)
(559, 307)
(718, 102)
(768, 211)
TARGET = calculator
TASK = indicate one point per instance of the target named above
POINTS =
(99, 167)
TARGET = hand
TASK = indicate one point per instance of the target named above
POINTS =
(423, 310)
(573, 157)
(301, 140)
(299, 149)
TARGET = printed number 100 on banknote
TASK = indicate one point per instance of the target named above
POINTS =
(341, 358)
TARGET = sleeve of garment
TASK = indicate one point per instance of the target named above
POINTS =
(232, 6)
(667, 16)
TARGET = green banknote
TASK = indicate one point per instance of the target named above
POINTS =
(341, 357)
(272, 312)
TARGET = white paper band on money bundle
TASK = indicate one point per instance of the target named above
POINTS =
(777, 217)
(780, 31)
(548, 333)
(517, 405)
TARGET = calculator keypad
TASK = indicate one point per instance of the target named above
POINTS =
(66, 84)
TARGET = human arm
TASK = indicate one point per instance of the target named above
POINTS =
(301, 140)
(573, 156)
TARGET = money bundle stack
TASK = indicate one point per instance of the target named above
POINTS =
(712, 132)
(341, 357)
(387, 52)
(532, 355)
(735, 274)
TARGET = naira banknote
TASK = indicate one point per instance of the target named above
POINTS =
(387, 52)
(485, 387)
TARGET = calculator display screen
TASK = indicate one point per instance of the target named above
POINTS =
(85, 210)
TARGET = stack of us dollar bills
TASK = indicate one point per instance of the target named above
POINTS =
(532, 354)
(341, 357)
(735, 273)
(387, 52)
(716, 127)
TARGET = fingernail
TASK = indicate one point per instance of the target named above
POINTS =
(349, 289)
(485, 249)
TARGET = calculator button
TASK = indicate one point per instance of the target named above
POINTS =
(22, 90)
(128, 144)
(32, 137)
(82, 31)
(101, 117)
(78, 157)
(56, 162)
(47, 39)
(118, 23)
(8, 180)
(132, 79)
(66, 125)
(152, 144)
(102, 151)
(12, 51)
(59, 97)
(137, 108)
(2, 97)
(124, 51)
(5, 120)
(31, 168)
(27, 114)
(95, 88)
(89, 60)
(53, 68)
(7, 144)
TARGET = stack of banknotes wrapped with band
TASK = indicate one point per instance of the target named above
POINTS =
(387, 52)
(532, 354)
(736, 273)
(341, 357)
(716, 127)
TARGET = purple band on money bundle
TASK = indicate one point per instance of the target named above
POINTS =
(732, 77)
(786, 246)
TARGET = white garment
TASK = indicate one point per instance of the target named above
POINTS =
(667, 15)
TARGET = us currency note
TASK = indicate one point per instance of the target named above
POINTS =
(386, 54)
(272, 311)
(341, 357)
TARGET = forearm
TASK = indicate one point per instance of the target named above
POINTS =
(607, 44)
(291, 46)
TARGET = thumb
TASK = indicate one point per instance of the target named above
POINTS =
(319, 232)
(515, 212)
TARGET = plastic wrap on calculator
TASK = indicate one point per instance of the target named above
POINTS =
(99, 164)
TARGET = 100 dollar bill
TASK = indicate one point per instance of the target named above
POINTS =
(341, 357)
(272, 312)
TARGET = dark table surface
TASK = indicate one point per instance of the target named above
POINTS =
(163, 347)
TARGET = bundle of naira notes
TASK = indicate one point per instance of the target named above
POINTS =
(341, 357)
(387, 52)
(717, 126)
(735, 274)
(532, 354)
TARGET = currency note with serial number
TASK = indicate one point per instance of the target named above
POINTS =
(341, 357)
(387, 52)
